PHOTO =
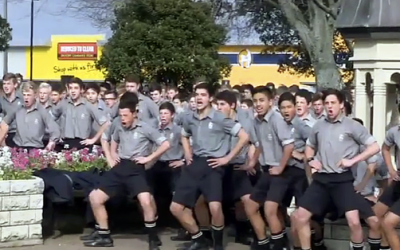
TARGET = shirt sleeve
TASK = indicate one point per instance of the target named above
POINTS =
(283, 131)
(51, 125)
(361, 134)
(154, 135)
(57, 110)
(250, 130)
(115, 136)
(231, 127)
(390, 137)
(10, 117)
(186, 132)
(312, 140)
(100, 116)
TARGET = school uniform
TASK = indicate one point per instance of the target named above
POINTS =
(237, 182)
(128, 176)
(332, 142)
(391, 195)
(274, 134)
(211, 139)
(102, 108)
(163, 177)
(77, 121)
(9, 106)
(31, 126)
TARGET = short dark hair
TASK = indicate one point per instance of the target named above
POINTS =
(304, 94)
(287, 96)
(18, 75)
(294, 88)
(78, 81)
(10, 76)
(111, 92)
(318, 97)
(227, 96)
(248, 102)
(155, 87)
(94, 86)
(57, 87)
(128, 104)
(173, 87)
(358, 120)
(281, 89)
(132, 78)
(179, 97)
(339, 95)
(129, 96)
(106, 85)
(169, 106)
(206, 86)
(249, 87)
(264, 90)
(348, 108)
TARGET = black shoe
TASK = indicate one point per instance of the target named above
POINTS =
(182, 235)
(197, 245)
(157, 240)
(154, 245)
(100, 242)
(320, 247)
(90, 237)
(243, 239)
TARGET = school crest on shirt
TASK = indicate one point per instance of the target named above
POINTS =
(269, 137)
(82, 116)
(171, 136)
(36, 121)
(292, 131)
(135, 135)
(341, 137)
(210, 125)
(19, 103)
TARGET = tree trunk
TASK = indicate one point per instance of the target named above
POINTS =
(316, 34)
(327, 74)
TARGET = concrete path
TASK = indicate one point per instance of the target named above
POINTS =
(121, 242)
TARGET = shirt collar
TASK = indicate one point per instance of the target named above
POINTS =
(338, 119)
(33, 108)
(268, 115)
(209, 115)
(169, 126)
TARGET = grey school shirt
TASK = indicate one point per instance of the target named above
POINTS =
(107, 134)
(274, 134)
(173, 134)
(9, 106)
(302, 129)
(31, 126)
(360, 171)
(211, 134)
(137, 140)
(337, 140)
(248, 126)
(78, 118)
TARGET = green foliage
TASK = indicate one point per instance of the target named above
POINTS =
(170, 41)
(5, 34)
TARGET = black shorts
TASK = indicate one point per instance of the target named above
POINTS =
(162, 178)
(196, 179)
(391, 197)
(126, 177)
(280, 188)
(320, 195)
(236, 184)
(10, 140)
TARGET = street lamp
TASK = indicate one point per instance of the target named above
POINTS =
(31, 42)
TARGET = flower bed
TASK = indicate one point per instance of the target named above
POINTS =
(21, 194)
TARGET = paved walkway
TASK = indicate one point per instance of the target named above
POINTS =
(121, 242)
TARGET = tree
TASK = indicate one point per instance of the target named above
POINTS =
(5, 34)
(308, 27)
(171, 41)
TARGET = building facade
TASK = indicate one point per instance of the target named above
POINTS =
(75, 55)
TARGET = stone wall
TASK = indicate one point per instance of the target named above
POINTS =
(21, 211)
